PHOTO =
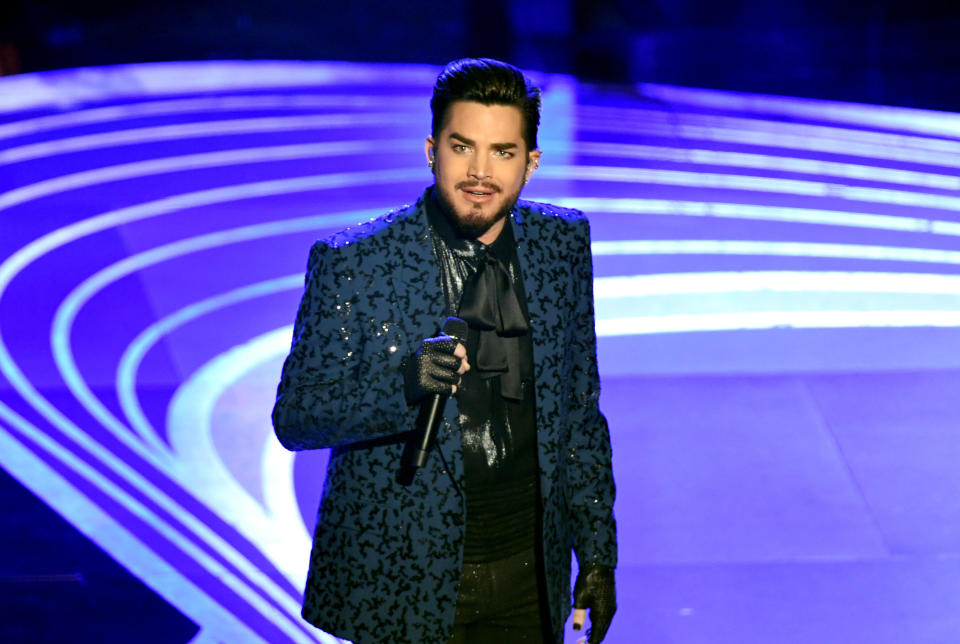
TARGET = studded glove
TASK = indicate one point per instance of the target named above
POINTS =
(432, 369)
(595, 590)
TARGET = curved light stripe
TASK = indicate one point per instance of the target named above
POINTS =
(892, 147)
(279, 490)
(203, 636)
(775, 281)
(130, 361)
(173, 203)
(900, 118)
(282, 538)
(628, 206)
(86, 516)
(755, 321)
(39, 247)
(285, 622)
(792, 249)
(817, 167)
(819, 189)
(63, 89)
(203, 129)
(248, 588)
(29, 253)
(241, 102)
(792, 139)
(594, 115)
(71, 305)
(99, 176)
(25, 256)
(632, 305)
(151, 167)
(750, 303)
(77, 434)
(60, 338)
(132, 477)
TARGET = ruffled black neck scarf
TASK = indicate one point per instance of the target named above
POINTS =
(488, 299)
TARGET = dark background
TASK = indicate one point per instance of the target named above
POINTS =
(904, 52)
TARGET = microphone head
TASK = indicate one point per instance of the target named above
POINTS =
(456, 329)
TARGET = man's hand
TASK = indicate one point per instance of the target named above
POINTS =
(435, 368)
(594, 590)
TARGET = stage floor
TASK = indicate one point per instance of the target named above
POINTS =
(777, 288)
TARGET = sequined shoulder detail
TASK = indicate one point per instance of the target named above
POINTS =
(366, 229)
(549, 210)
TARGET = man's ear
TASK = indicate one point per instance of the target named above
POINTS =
(428, 149)
(533, 162)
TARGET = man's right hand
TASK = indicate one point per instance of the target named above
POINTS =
(435, 368)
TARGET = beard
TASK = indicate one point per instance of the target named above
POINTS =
(472, 222)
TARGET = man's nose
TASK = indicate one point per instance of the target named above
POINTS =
(478, 168)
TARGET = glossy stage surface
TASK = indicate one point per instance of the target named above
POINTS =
(778, 311)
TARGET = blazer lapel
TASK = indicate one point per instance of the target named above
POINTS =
(415, 274)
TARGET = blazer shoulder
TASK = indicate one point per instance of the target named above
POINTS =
(382, 229)
(538, 209)
(550, 222)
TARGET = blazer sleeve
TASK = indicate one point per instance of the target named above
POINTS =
(589, 469)
(341, 382)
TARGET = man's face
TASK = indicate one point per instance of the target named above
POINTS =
(480, 163)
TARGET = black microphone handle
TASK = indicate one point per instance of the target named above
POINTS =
(431, 411)
(430, 414)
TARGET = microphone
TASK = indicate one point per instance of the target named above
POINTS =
(431, 411)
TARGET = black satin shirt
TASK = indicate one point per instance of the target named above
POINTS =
(499, 434)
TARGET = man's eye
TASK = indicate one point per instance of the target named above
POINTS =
(504, 154)
(458, 147)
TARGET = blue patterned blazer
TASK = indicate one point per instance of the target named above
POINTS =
(386, 557)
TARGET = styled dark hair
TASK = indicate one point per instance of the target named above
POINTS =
(489, 82)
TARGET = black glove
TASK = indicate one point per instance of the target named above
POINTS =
(594, 590)
(432, 369)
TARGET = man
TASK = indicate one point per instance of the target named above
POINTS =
(475, 544)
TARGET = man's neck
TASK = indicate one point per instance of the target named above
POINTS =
(492, 233)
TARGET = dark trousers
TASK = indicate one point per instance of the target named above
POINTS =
(500, 602)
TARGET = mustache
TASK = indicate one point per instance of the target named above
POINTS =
(478, 184)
